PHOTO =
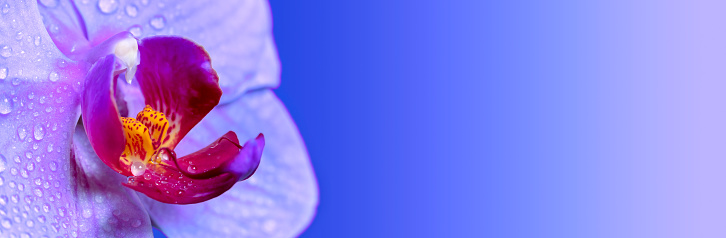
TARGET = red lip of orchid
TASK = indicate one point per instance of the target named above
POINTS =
(179, 88)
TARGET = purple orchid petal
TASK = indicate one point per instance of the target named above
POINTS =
(66, 28)
(278, 201)
(101, 118)
(43, 192)
(176, 78)
(104, 208)
(236, 34)
(223, 155)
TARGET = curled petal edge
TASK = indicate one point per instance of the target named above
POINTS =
(101, 118)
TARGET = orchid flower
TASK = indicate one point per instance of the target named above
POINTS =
(164, 90)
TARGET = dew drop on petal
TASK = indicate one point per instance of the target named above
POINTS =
(36, 42)
(6, 51)
(3, 163)
(132, 10)
(38, 192)
(135, 30)
(157, 22)
(138, 168)
(6, 223)
(38, 132)
(53, 166)
(6, 105)
(3, 73)
(107, 6)
(6, 8)
(136, 223)
(22, 133)
(53, 76)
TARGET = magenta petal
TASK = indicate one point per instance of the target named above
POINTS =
(224, 155)
(176, 78)
(101, 118)
(167, 185)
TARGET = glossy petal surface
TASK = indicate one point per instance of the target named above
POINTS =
(278, 201)
(101, 118)
(237, 34)
(177, 79)
(223, 155)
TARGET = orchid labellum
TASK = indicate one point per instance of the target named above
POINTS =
(119, 115)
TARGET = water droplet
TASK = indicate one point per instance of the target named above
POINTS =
(53, 166)
(138, 168)
(6, 8)
(87, 213)
(19, 35)
(31, 96)
(16, 81)
(49, 3)
(131, 10)
(50, 148)
(22, 133)
(6, 105)
(30, 223)
(3, 73)
(25, 235)
(38, 132)
(135, 30)
(107, 6)
(145, 2)
(53, 76)
(157, 22)
(30, 166)
(41, 219)
(6, 223)
(136, 223)
(36, 42)
(3, 163)
(38, 192)
(6, 51)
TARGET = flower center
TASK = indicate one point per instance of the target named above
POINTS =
(144, 137)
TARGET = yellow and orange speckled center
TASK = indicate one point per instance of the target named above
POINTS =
(144, 135)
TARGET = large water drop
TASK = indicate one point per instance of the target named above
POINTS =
(107, 6)
(53, 76)
(6, 51)
(3, 73)
(135, 30)
(3, 163)
(6, 105)
(132, 10)
(158, 22)
(138, 168)
(38, 132)
(22, 133)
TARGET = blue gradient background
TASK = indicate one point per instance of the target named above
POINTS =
(516, 119)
